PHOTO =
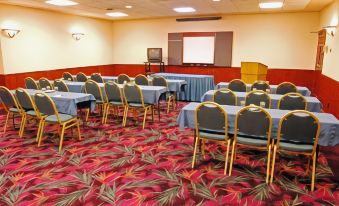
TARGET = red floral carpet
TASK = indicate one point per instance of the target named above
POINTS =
(130, 166)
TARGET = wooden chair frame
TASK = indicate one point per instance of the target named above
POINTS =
(33, 80)
(115, 107)
(259, 91)
(103, 100)
(289, 83)
(171, 98)
(293, 94)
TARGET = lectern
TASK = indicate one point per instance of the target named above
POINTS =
(253, 71)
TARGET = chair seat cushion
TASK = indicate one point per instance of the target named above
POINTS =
(31, 112)
(212, 134)
(296, 147)
(252, 141)
(137, 105)
(116, 103)
(63, 118)
(14, 110)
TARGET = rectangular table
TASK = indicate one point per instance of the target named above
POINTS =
(67, 102)
(197, 85)
(302, 90)
(329, 134)
(313, 104)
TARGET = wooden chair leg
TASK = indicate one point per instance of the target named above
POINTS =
(87, 114)
(145, 115)
(106, 113)
(169, 103)
(152, 108)
(273, 162)
(78, 129)
(39, 129)
(103, 113)
(62, 137)
(6, 123)
(232, 157)
(226, 158)
(197, 139)
(41, 132)
(313, 170)
(203, 149)
(125, 116)
(22, 125)
(268, 164)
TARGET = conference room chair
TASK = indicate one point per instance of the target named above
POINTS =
(258, 98)
(292, 101)
(81, 77)
(60, 85)
(30, 83)
(134, 99)
(123, 78)
(171, 97)
(141, 80)
(237, 85)
(50, 114)
(29, 110)
(252, 129)
(211, 124)
(92, 87)
(10, 105)
(114, 99)
(225, 96)
(298, 134)
(261, 85)
(286, 87)
(68, 76)
(45, 83)
(97, 78)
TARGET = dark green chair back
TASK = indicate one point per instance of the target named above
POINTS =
(255, 97)
(31, 84)
(237, 85)
(225, 97)
(97, 78)
(91, 87)
(122, 78)
(286, 87)
(44, 104)
(67, 76)
(292, 101)
(159, 81)
(113, 92)
(81, 77)
(141, 80)
(44, 83)
(62, 86)
(133, 94)
(24, 99)
(260, 85)
(211, 118)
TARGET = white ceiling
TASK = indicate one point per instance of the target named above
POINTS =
(164, 8)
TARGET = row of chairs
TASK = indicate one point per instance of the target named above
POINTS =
(237, 85)
(289, 101)
(298, 133)
(41, 108)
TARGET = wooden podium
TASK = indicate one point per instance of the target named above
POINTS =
(253, 71)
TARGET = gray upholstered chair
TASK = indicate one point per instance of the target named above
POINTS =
(237, 85)
(211, 123)
(134, 99)
(81, 77)
(123, 78)
(162, 82)
(252, 128)
(10, 105)
(261, 85)
(141, 80)
(31, 84)
(45, 83)
(67, 76)
(29, 109)
(225, 96)
(292, 101)
(50, 114)
(286, 87)
(258, 98)
(97, 78)
(298, 133)
(92, 87)
(114, 98)
(61, 85)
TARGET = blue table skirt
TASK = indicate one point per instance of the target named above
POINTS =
(329, 134)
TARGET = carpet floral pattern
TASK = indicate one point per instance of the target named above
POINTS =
(112, 165)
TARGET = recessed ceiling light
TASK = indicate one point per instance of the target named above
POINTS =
(128, 7)
(271, 5)
(61, 2)
(216, 0)
(116, 14)
(184, 9)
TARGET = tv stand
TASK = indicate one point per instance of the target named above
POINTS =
(148, 67)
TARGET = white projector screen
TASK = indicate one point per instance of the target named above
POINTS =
(199, 50)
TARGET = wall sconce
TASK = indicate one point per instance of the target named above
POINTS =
(11, 32)
(330, 30)
(78, 36)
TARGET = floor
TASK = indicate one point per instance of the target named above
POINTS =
(112, 165)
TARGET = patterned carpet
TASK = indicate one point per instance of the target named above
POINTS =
(130, 166)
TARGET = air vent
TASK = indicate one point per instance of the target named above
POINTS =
(208, 18)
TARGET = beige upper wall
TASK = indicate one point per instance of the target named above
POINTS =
(278, 40)
(329, 17)
(45, 40)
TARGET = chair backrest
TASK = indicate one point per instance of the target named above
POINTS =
(225, 97)
(45, 105)
(81, 77)
(299, 126)
(292, 101)
(133, 94)
(68, 76)
(62, 86)
(113, 92)
(141, 80)
(122, 78)
(159, 81)
(91, 87)
(30, 83)
(24, 99)
(286, 87)
(253, 121)
(44, 83)
(7, 98)
(237, 85)
(97, 78)
(212, 118)
(260, 85)
(257, 97)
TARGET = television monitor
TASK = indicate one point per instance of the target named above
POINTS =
(154, 54)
